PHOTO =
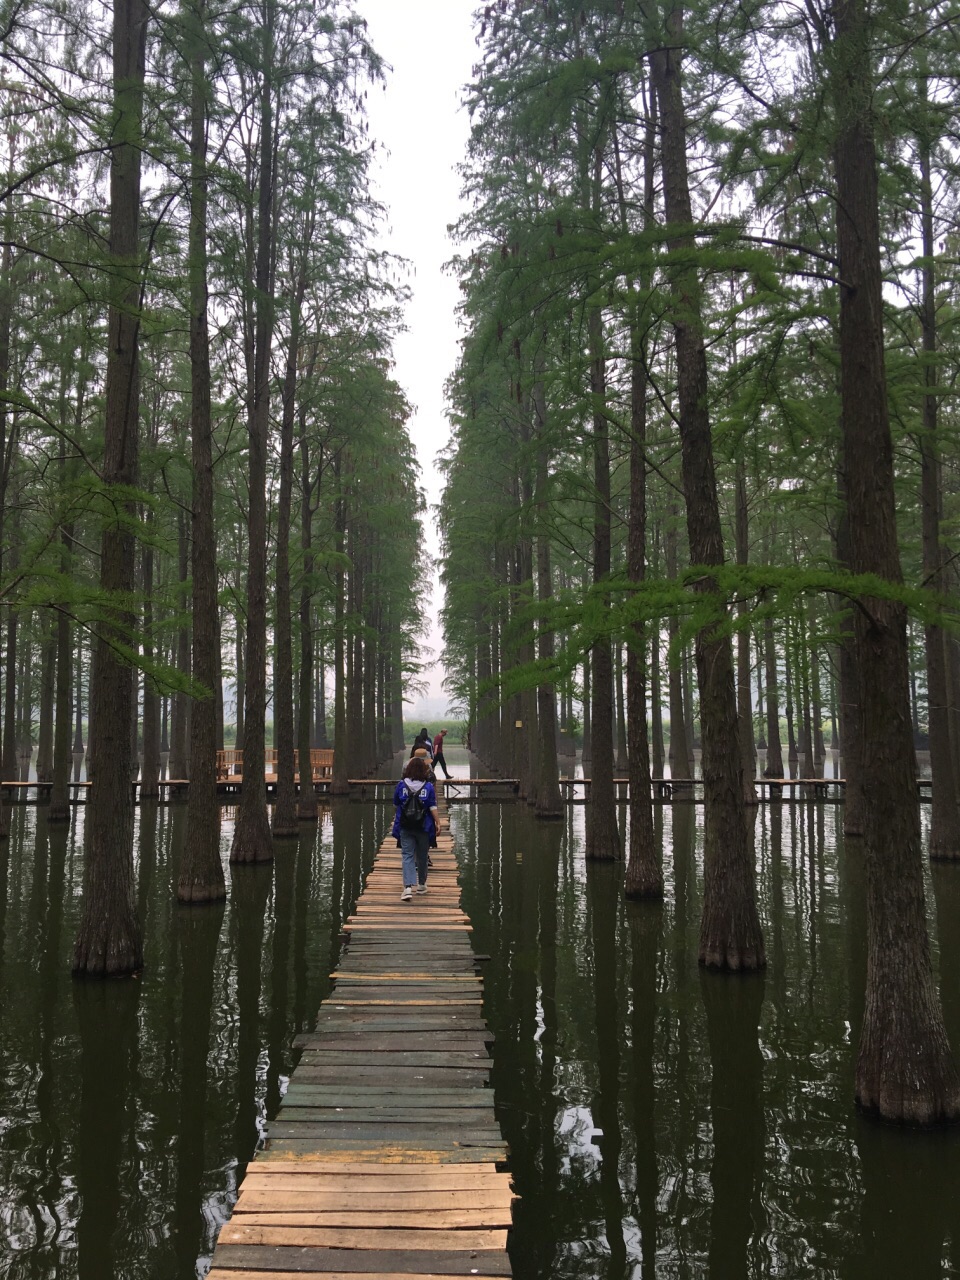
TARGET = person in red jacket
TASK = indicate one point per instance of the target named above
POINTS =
(438, 760)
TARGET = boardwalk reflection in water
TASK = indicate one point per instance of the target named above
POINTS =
(662, 1121)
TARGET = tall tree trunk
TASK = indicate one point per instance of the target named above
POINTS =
(602, 831)
(201, 873)
(774, 767)
(549, 800)
(681, 762)
(109, 939)
(59, 808)
(251, 836)
(307, 810)
(180, 702)
(285, 808)
(644, 878)
(341, 759)
(730, 935)
(587, 753)
(748, 750)
(656, 705)
(945, 809)
(905, 1070)
(150, 773)
(45, 726)
(7, 451)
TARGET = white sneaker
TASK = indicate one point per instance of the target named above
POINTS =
(421, 888)
(407, 893)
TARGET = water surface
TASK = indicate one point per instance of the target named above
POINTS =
(662, 1122)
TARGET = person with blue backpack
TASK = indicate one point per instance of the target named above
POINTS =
(416, 824)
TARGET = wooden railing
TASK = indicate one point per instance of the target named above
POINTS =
(230, 763)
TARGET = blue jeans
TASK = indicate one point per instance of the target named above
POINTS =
(415, 846)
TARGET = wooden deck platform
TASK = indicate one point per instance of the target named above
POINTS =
(382, 1163)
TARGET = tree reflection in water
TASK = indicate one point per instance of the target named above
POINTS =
(729, 1144)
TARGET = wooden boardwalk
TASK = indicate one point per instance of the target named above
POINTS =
(382, 1162)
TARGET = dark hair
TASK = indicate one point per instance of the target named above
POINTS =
(417, 769)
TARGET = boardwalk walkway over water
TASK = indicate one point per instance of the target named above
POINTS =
(382, 1163)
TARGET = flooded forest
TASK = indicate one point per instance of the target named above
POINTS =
(690, 589)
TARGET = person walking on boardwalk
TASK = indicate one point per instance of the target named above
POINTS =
(416, 824)
(422, 742)
(438, 760)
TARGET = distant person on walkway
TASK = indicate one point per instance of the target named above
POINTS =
(422, 740)
(416, 824)
(438, 760)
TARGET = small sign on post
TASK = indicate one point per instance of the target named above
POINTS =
(518, 724)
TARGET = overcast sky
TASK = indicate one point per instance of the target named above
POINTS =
(430, 47)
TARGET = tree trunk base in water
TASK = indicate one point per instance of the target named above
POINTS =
(905, 1072)
(200, 894)
(308, 812)
(645, 890)
(112, 950)
(285, 832)
(727, 955)
(58, 813)
(252, 841)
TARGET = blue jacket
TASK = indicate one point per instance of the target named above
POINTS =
(429, 798)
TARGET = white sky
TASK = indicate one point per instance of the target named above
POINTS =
(430, 46)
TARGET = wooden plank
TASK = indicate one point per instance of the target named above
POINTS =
(378, 1218)
(332, 1263)
(478, 1135)
(358, 1173)
(220, 1274)
(302, 1112)
(398, 1041)
(483, 1241)
(411, 1151)
(403, 1021)
(359, 1096)
(402, 975)
(449, 1077)
(387, 1059)
(412, 1199)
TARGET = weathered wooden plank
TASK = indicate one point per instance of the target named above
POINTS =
(406, 1215)
(298, 1111)
(360, 1096)
(484, 1241)
(411, 1151)
(472, 1078)
(462, 1060)
(219, 1274)
(398, 1041)
(403, 975)
(357, 1173)
(346, 1263)
(404, 1020)
(477, 1135)
(412, 927)
(413, 1199)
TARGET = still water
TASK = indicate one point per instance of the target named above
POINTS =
(662, 1122)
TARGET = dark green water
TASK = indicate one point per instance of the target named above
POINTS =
(669, 1123)
(662, 1122)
